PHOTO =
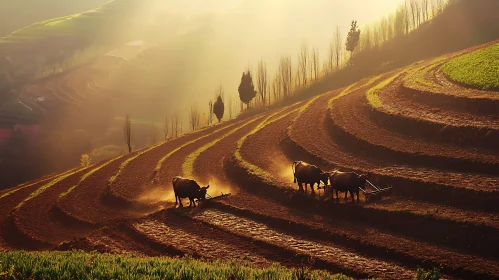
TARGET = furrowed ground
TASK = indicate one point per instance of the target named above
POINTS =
(418, 129)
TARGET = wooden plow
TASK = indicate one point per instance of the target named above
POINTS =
(209, 197)
(368, 194)
(376, 192)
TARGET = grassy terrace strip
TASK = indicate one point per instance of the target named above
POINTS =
(23, 186)
(86, 176)
(82, 265)
(478, 69)
(253, 169)
(372, 93)
(188, 166)
(46, 186)
(417, 77)
(126, 162)
(346, 91)
(162, 160)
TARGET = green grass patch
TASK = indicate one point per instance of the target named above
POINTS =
(479, 69)
(372, 93)
(82, 265)
(188, 166)
(82, 24)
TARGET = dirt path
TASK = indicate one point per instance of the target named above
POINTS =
(35, 218)
(335, 255)
(327, 148)
(434, 124)
(7, 203)
(379, 244)
(86, 202)
(198, 240)
(352, 117)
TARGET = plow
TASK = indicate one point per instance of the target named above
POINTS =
(209, 197)
(376, 192)
(370, 195)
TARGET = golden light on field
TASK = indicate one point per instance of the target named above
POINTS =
(212, 42)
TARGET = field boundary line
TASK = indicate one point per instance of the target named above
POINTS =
(47, 186)
(24, 186)
(159, 165)
(252, 168)
(126, 162)
(188, 165)
(88, 174)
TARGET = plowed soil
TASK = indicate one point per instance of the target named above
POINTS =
(136, 182)
(442, 210)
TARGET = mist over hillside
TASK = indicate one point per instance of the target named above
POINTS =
(16, 14)
(216, 42)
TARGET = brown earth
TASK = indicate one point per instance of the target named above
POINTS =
(442, 211)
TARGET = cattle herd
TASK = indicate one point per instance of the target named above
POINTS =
(303, 173)
(347, 182)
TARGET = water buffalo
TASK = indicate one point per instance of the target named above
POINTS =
(348, 182)
(306, 173)
(183, 188)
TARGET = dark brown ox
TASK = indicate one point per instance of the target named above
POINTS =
(305, 173)
(348, 182)
(183, 188)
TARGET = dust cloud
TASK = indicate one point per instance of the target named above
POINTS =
(285, 172)
(158, 194)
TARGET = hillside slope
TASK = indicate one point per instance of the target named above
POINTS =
(16, 14)
(431, 139)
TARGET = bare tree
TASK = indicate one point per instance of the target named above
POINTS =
(261, 80)
(303, 63)
(425, 9)
(376, 36)
(383, 28)
(329, 62)
(399, 23)
(166, 128)
(210, 113)
(230, 107)
(195, 118)
(414, 13)
(153, 133)
(128, 133)
(176, 125)
(366, 42)
(286, 75)
(406, 16)
(276, 88)
(325, 67)
(390, 21)
(338, 44)
(315, 63)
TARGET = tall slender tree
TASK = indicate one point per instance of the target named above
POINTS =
(219, 108)
(353, 37)
(246, 88)
(303, 64)
(337, 47)
(128, 133)
(166, 128)
(261, 81)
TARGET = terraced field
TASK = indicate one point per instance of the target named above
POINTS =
(433, 140)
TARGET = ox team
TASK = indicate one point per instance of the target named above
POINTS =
(303, 173)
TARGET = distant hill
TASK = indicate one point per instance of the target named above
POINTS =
(15, 13)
